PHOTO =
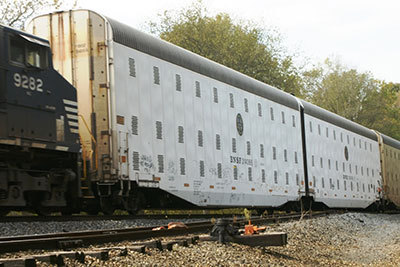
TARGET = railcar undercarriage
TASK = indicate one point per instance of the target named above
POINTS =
(37, 179)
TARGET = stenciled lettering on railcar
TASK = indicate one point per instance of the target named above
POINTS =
(348, 177)
(240, 160)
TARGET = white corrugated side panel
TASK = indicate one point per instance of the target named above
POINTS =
(162, 102)
(327, 148)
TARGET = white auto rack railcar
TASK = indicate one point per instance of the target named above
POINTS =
(160, 124)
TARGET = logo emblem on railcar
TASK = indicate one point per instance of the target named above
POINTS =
(239, 124)
(346, 153)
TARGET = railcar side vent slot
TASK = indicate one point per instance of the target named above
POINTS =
(250, 174)
(283, 117)
(180, 134)
(159, 129)
(201, 168)
(285, 155)
(287, 178)
(218, 142)
(215, 95)
(293, 121)
(274, 153)
(178, 82)
(182, 165)
(134, 125)
(135, 160)
(298, 180)
(246, 105)
(235, 172)
(259, 110)
(200, 138)
(219, 170)
(272, 113)
(248, 148)
(232, 103)
(261, 151)
(156, 74)
(132, 68)
(276, 177)
(198, 91)
(295, 157)
(160, 163)
(263, 175)
(233, 145)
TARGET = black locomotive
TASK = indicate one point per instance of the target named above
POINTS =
(39, 139)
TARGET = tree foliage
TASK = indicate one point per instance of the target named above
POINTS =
(355, 96)
(242, 46)
(14, 13)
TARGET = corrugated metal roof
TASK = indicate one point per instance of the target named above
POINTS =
(337, 120)
(156, 47)
(390, 141)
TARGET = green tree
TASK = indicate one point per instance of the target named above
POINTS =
(14, 13)
(354, 95)
(242, 46)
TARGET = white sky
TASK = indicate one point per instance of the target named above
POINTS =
(364, 34)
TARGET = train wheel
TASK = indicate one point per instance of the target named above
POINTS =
(134, 202)
(107, 206)
(42, 211)
(3, 212)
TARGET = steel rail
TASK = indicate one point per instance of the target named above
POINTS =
(85, 238)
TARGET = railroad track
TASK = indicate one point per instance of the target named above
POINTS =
(63, 218)
(85, 238)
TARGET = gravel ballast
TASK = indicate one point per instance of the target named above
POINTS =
(350, 239)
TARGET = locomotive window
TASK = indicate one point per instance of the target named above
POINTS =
(17, 51)
(29, 53)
